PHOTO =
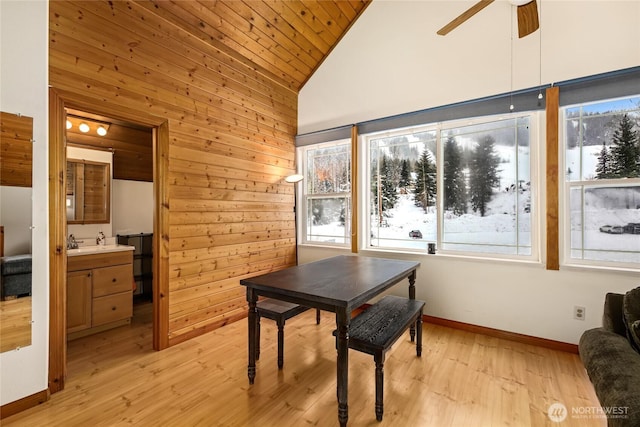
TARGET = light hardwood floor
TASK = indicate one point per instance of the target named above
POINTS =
(462, 379)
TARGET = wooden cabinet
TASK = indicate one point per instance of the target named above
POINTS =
(99, 292)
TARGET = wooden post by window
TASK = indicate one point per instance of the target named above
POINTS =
(553, 109)
(354, 189)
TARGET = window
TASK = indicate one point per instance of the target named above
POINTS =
(602, 181)
(327, 193)
(466, 187)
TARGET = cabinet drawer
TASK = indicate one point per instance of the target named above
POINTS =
(112, 280)
(111, 308)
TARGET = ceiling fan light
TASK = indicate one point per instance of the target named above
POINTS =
(84, 128)
(102, 131)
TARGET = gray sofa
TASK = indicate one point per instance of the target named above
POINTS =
(612, 362)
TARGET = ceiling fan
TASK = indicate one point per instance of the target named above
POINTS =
(527, 16)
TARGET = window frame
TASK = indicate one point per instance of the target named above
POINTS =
(582, 184)
(536, 121)
(305, 197)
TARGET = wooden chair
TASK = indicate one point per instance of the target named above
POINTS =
(279, 311)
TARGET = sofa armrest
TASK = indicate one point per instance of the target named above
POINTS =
(614, 370)
(612, 318)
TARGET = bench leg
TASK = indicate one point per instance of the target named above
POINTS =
(257, 336)
(379, 360)
(317, 316)
(419, 331)
(280, 343)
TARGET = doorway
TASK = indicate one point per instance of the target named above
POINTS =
(58, 106)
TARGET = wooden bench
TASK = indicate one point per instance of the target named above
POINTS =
(279, 311)
(378, 327)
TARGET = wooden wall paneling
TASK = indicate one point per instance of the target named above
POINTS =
(16, 150)
(553, 238)
(231, 147)
(230, 139)
(257, 46)
(175, 14)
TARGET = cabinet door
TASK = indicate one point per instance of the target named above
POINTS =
(78, 300)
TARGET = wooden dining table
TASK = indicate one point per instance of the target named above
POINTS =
(339, 284)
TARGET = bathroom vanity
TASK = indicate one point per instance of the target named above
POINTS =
(99, 289)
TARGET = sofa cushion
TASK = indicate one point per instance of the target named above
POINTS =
(631, 313)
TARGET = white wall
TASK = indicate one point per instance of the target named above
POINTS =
(132, 207)
(23, 89)
(392, 62)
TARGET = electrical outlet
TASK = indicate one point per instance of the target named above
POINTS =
(579, 313)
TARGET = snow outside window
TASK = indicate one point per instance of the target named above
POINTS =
(466, 188)
(327, 193)
(602, 181)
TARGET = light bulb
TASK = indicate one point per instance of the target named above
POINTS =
(101, 131)
(84, 127)
(69, 124)
(540, 95)
(511, 107)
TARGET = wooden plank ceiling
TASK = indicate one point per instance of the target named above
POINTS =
(286, 40)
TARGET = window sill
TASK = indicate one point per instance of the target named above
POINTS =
(602, 268)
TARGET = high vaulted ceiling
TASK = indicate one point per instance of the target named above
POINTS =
(286, 40)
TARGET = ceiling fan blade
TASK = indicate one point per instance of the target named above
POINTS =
(464, 16)
(527, 19)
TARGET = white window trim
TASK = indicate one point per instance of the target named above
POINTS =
(303, 197)
(535, 152)
(565, 214)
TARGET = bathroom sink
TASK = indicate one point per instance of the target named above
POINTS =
(86, 250)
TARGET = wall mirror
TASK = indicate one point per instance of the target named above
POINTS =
(16, 167)
(88, 192)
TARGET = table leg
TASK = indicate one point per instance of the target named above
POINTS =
(412, 295)
(342, 322)
(252, 298)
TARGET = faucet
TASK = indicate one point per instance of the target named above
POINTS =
(71, 242)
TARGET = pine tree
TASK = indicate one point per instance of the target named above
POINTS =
(455, 188)
(388, 187)
(625, 150)
(604, 168)
(405, 177)
(425, 188)
(483, 174)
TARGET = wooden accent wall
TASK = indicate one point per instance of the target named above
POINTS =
(16, 150)
(231, 132)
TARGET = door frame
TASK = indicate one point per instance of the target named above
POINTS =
(59, 100)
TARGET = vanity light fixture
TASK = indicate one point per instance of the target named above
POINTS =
(84, 128)
(102, 131)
